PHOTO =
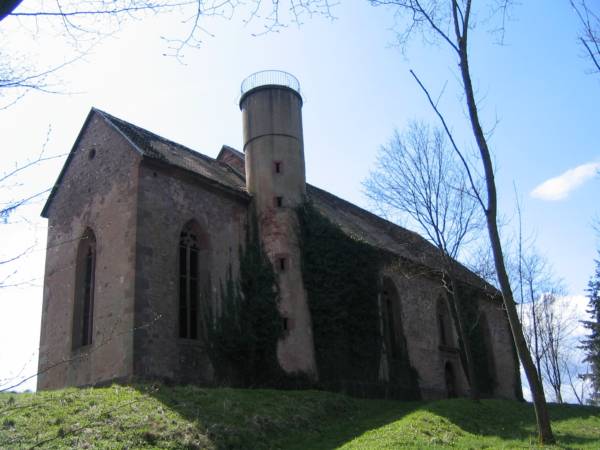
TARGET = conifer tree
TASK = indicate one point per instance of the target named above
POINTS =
(591, 345)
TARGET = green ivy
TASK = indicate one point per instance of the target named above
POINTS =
(342, 280)
(242, 338)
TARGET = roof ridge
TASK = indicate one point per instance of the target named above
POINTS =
(139, 129)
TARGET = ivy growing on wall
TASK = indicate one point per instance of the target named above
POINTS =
(341, 277)
(242, 337)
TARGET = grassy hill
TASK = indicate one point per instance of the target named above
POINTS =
(197, 418)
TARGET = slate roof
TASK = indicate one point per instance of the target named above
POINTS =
(156, 147)
(352, 219)
(379, 232)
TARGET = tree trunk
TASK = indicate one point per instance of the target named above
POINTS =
(455, 304)
(537, 392)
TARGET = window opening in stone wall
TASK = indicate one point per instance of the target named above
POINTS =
(442, 329)
(488, 347)
(389, 328)
(83, 314)
(279, 201)
(392, 320)
(282, 263)
(444, 325)
(188, 284)
(278, 166)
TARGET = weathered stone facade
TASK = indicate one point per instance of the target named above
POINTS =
(138, 193)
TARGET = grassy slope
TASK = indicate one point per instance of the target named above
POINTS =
(191, 417)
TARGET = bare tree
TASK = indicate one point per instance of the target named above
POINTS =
(451, 21)
(588, 14)
(555, 329)
(534, 281)
(418, 175)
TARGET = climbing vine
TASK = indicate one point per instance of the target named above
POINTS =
(242, 337)
(341, 277)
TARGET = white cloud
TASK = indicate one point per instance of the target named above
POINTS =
(560, 187)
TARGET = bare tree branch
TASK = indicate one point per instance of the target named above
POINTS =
(589, 18)
(460, 12)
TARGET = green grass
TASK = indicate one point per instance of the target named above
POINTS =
(192, 418)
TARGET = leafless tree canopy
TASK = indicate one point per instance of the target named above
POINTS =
(418, 174)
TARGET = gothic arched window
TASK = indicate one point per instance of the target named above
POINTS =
(83, 314)
(488, 348)
(189, 282)
(393, 334)
(444, 323)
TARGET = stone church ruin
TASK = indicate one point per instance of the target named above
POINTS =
(156, 255)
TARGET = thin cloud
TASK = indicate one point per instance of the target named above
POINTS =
(559, 188)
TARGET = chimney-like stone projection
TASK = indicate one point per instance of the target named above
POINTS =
(271, 107)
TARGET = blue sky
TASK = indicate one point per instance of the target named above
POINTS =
(357, 89)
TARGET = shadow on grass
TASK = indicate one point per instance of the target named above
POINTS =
(574, 426)
(268, 419)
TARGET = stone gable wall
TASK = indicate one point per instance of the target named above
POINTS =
(97, 192)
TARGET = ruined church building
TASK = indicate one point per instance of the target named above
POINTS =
(143, 233)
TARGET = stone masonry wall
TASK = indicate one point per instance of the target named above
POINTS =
(507, 377)
(418, 295)
(168, 199)
(98, 190)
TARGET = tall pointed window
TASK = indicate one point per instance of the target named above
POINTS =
(444, 323)
(488, 370)
(393, 334)
(83, 314)
(189, 283)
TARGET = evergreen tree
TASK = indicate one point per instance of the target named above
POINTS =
(591, 345)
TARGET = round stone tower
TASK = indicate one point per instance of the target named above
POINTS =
(275, 177)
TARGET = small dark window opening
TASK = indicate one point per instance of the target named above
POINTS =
(285, 324)
(279, 201)
(188, 285)
(282, 264)
(278, 166)
(92, 153)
